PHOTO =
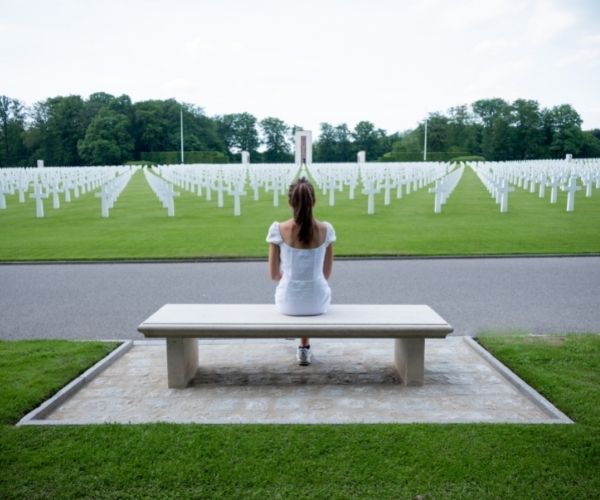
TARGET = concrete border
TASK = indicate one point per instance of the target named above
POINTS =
(519, 384)
(182, 260)
(36, 416)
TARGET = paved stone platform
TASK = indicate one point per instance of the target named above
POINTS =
(258, 381)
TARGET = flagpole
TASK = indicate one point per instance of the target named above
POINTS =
(425, 143)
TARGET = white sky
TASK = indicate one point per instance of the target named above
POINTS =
(389, 62)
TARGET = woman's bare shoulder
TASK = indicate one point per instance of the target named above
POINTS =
(321, 225)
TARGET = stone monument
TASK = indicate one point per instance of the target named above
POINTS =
(245, 157)
(40, 164)
(303, 139)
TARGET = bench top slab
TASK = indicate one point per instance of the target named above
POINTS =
(264, 321)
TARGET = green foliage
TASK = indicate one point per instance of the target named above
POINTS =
(341, 461)
(67, 130)
(108, 140)
(457, 159)
(239, 132)
(174, 157)
(274, 138)
(141, 163)
(13, 150)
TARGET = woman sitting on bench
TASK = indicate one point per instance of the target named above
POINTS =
(301, 260)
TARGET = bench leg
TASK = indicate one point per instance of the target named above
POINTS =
(410, 360)
(182, 361)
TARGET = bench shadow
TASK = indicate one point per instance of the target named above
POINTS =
(314, 374)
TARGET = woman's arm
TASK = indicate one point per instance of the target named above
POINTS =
(328, 262)
(274, 262)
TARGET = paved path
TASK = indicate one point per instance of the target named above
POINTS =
(108, 301)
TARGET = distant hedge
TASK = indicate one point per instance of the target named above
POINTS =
(467, 158)
(174, 157)
(418, 156)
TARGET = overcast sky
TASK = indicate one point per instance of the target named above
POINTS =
(306, 62)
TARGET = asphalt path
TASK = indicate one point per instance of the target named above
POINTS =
(108, 301)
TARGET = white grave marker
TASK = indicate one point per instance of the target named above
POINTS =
(571, 189)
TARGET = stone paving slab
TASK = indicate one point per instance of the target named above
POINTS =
(258, 381)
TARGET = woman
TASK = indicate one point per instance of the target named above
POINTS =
(301, 260)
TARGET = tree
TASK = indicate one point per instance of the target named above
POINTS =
(12, 127)
(462, 132)
(156, 125)
(565, 126)
(344, 149)
(326, 146)
(58, 125)
(366, 138)
(495, 117)
(239, 132)
(107, 140)
(591, 144)
(437, 133)
(487, 110)
(528, 134)
(274, 132)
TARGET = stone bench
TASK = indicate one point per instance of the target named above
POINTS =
(182, 324)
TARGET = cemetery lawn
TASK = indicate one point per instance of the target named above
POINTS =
(138, 226)
(291, 461)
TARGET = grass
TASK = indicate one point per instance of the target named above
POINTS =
(295, 461)
(32, 370)
(138, 227)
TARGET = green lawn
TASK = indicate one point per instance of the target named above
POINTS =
(295, 461)
(138, 227)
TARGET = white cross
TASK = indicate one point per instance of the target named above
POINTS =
(370, 190)
(55, 198)
(571, 189)
(438, 190)
(39, 204)
(542, 181)
(503, 190)
(237, 192)
(2, 198)
(553, 183)
(387, 186)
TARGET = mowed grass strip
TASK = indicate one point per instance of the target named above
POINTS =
(138, 226)
(358, 461)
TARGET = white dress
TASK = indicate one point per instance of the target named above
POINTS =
(303, 289)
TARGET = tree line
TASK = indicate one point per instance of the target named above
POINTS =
(107, 130)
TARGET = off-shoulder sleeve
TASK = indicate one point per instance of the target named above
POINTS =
(274, 236)
(330, 238)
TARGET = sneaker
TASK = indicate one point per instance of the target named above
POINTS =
(304, 356)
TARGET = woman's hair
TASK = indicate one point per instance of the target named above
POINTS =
(301, 196)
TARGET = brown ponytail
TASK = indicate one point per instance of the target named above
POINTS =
(302, 198)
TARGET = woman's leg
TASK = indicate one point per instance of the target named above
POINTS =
(304, 342)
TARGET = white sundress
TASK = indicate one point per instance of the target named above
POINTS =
(303, 289)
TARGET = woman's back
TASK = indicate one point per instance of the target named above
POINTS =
(303, 288)
(290, 234)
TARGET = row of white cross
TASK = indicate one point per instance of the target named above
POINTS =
(537, 175)
(53, 181)
(231, 180)
(443, 188)
(497, 186)
(163, 190)
(375, 177)
(110, 191)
